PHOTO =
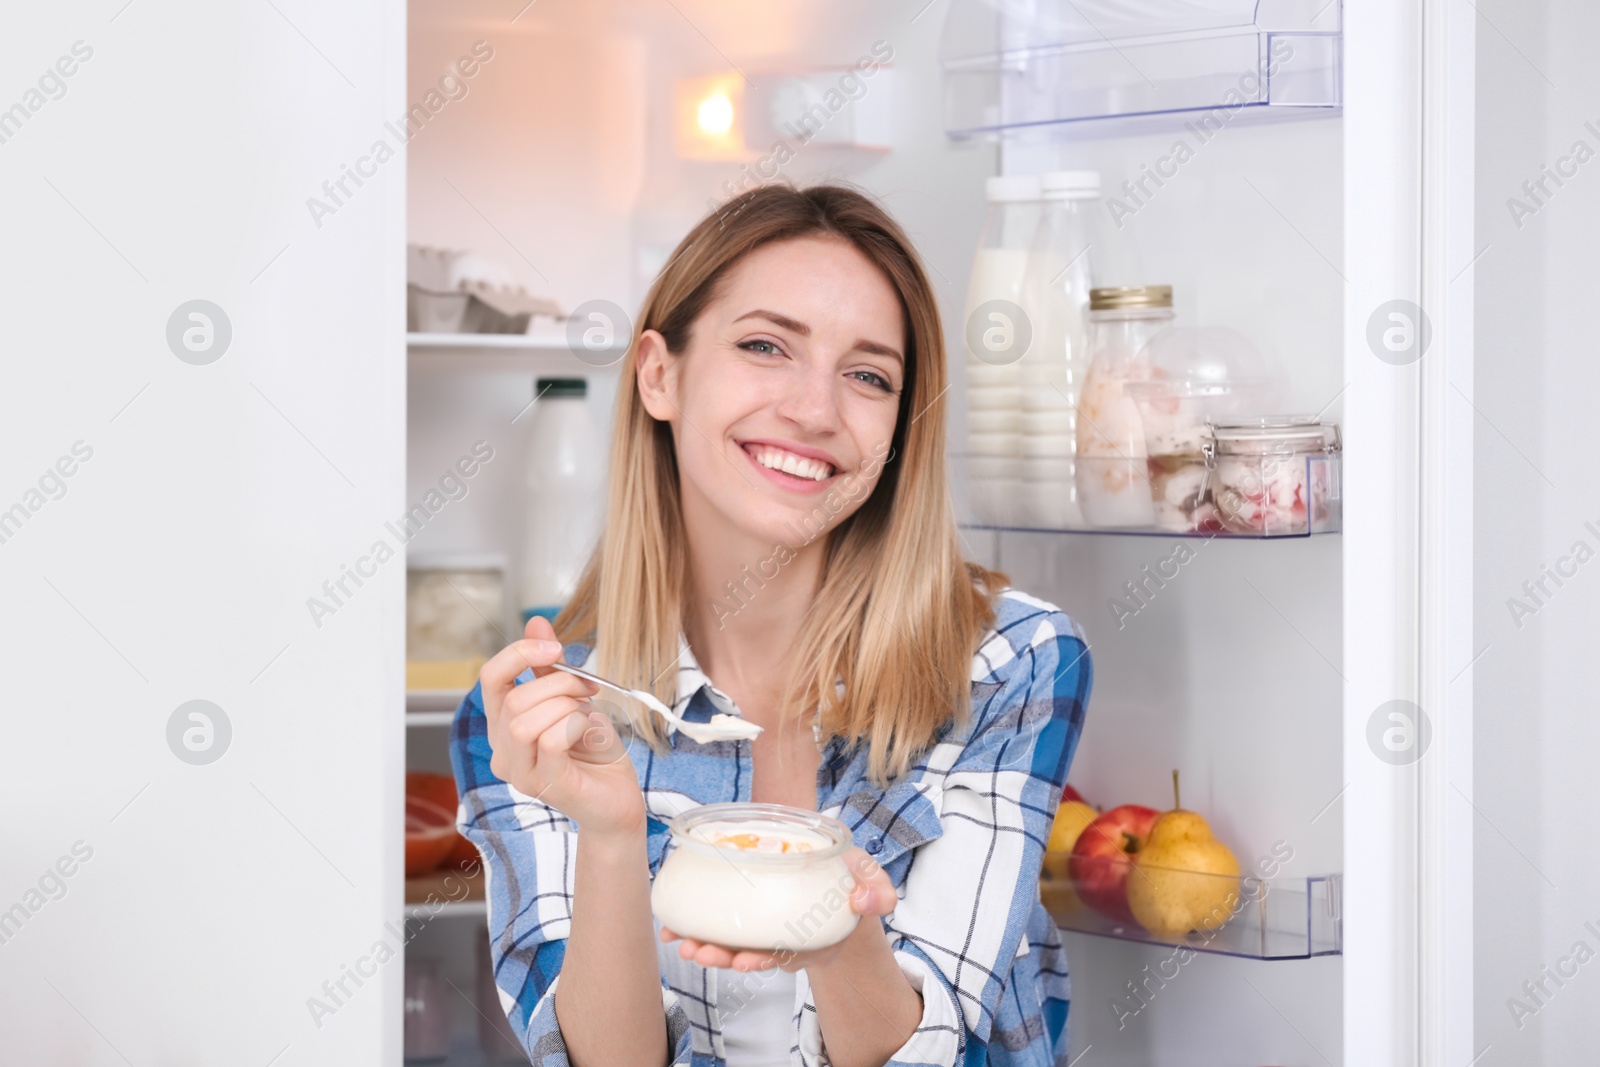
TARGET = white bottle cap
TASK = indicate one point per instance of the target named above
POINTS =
(1011, 188)
(1070, 184)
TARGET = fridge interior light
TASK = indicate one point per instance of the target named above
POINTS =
(708, 121)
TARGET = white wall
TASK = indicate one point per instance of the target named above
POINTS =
(1536, 488)
(215, 899)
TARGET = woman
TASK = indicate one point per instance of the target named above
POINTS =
(779, 544)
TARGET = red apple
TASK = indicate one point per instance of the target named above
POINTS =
(1101, 858)
(1069, 793)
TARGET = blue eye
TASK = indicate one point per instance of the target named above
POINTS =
(871, 378)
(749, 346)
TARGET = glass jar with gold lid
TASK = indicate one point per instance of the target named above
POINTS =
(1112, 479)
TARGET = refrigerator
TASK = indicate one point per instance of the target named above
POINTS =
(213, 726)
(1240, 661)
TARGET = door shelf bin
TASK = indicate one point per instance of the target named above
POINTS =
(1269, 918)
(1233, 502)
(1075, 63)
(1143, 531)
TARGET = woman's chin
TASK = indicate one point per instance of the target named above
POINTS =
(789, 528)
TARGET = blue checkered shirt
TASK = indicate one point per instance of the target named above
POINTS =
(961, 835)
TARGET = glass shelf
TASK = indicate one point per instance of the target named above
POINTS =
(1145, 531)
(1262, 919)
(1248, 498)
(446, 700)
(432, 707)
(1012, 65)
(547, 351)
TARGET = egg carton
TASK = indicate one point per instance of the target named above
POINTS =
(461, 292)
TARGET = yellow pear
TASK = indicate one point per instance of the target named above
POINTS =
(1055, 884)
(1071, 818)
(1183, 879)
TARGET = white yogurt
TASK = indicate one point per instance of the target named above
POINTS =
(756, 876)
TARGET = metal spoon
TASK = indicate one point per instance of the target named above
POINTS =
(722, 727)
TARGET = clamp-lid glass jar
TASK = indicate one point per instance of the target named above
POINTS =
(1275, 475)
(768, 877)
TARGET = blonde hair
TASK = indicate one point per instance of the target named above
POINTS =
(898, 613)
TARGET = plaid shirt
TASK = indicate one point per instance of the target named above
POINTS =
(961, 835)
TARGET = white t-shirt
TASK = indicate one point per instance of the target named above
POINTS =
(756, 1011)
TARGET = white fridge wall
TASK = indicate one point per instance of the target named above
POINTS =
(215, 900)
(1536, 790)
(1232, 672)
(539, 162)
(1209, 678)
(1249, 233)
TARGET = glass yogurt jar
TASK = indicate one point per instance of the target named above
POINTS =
(767, 877)
(1276, 475)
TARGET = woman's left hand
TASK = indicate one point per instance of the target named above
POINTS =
(872, 896)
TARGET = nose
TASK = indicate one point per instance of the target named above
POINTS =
(810, 400)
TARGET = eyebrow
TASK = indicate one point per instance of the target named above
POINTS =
(862, 344)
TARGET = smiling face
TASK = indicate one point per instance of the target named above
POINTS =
(786, 397)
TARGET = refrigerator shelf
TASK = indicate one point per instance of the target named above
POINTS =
(546, 352)
(1263, 497)
(434, 699)
(1270, 918)
(1187, 535)
(432, 707)
(445, 893)
(1090, 65)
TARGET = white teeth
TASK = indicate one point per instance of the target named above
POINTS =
(789, 463)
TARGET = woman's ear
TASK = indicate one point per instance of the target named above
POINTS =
(657, 376)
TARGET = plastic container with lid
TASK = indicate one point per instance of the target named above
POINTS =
(768, 877)
(1111, 476)
(455, 617)
(1275, 476)
(1195, 374)
(565, 477)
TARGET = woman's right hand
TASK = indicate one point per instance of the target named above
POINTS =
(549, 742)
